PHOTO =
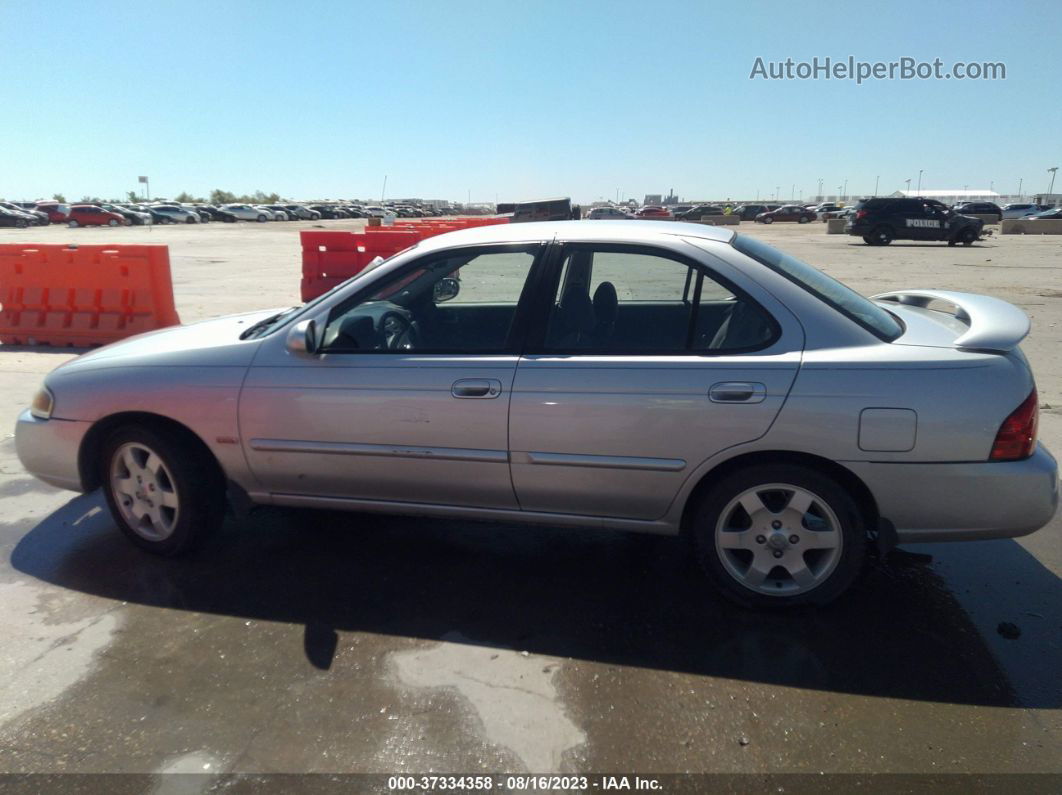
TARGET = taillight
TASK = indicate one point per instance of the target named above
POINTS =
(861, 214)
(1016, 438)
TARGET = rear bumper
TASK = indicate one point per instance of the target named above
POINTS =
(48, 449)
(964, 502)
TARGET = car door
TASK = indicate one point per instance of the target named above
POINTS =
(649, 362)
(408, 400)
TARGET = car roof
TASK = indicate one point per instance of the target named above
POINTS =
(578, 231)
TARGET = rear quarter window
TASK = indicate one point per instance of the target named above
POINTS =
(827, 289)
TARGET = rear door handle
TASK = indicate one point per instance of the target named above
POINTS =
(476, 388)
(737, 392)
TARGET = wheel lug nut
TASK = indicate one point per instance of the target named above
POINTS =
(778, 553)
(776, 524)
(761, 540)
(794, 539)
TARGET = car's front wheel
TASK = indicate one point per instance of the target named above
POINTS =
(803, 219)
(768, 220)
(881, 236)
(164, 493)
(779, 536)
(72, 224)
(112, 222)
(261, 219)
(967, 237)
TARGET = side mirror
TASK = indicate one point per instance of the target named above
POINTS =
(446, 289)
(302, 339)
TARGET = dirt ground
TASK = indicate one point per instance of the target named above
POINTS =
(315, 642)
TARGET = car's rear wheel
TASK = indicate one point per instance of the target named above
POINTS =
(803, 219)
(189, 220)
(967, 237)
(164, 493)
(112, 222)
(768, 220)
(261, 218)
(879, 236)
(779, 536)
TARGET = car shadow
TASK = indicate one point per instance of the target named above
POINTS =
(625, 599)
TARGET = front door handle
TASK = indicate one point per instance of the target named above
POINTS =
(737, 392)
(476, 388)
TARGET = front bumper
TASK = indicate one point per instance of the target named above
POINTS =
(48, 449)
(964, 502)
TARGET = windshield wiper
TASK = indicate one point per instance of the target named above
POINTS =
(262, 325)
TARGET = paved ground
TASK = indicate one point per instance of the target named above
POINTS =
(322, 642)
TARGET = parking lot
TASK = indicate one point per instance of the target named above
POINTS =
(318, 642)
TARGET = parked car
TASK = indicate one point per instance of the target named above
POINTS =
(200, 210)
(302, 212)
(1053, 214)
(91, 215)
(604, 213)
(772, 445)
(33, 217)
(1020, 210)
(980, 208)
(696, 212)
(326, 212)
(57, 212)
(134, 217)
(153, 211)
(375, 211)
(653, 211)
(748, 212)
(880, 221)
(786, 213)
(279, 213)
(15, 219)
(245, 212)
(174, 214)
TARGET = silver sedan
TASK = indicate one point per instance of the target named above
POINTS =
(605, 374)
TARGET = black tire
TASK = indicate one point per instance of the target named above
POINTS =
(849, 560)
(21, 223)
(72, 224)
(881, 235)
(768, 220)
(112, 222)
(261, 219)
(967, 237)
(189, 220)
(803, 219)
(198, 485)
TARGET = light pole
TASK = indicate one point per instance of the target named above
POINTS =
(919, 182)
(820, 188)
(1020, 179)
(776, 187)
(1052, 171)
(838, 193)
(383, 190)
(908, 181)
(876, 184)
(845, 193)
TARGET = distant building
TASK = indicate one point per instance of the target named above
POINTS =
(950, 196)
(654, 198)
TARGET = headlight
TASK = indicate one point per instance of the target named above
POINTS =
(42, 404)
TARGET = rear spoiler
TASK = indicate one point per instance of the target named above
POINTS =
(994, 325)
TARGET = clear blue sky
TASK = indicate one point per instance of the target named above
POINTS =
(516, 100)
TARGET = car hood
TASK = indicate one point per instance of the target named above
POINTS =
(210, 343)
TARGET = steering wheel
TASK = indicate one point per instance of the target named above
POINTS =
(399, 332)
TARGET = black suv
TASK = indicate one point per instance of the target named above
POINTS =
(880, 221)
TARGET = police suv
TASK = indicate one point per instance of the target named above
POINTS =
(880, 221)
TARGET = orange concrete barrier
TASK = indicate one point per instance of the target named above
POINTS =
(330, 258)
(52, 294)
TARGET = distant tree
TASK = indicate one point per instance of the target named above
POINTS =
(58, 197)
(263, 198)
(184, 197)
(219, 196)
(89, 200)
(132, 197)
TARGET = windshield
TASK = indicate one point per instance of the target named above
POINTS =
(842, 298)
